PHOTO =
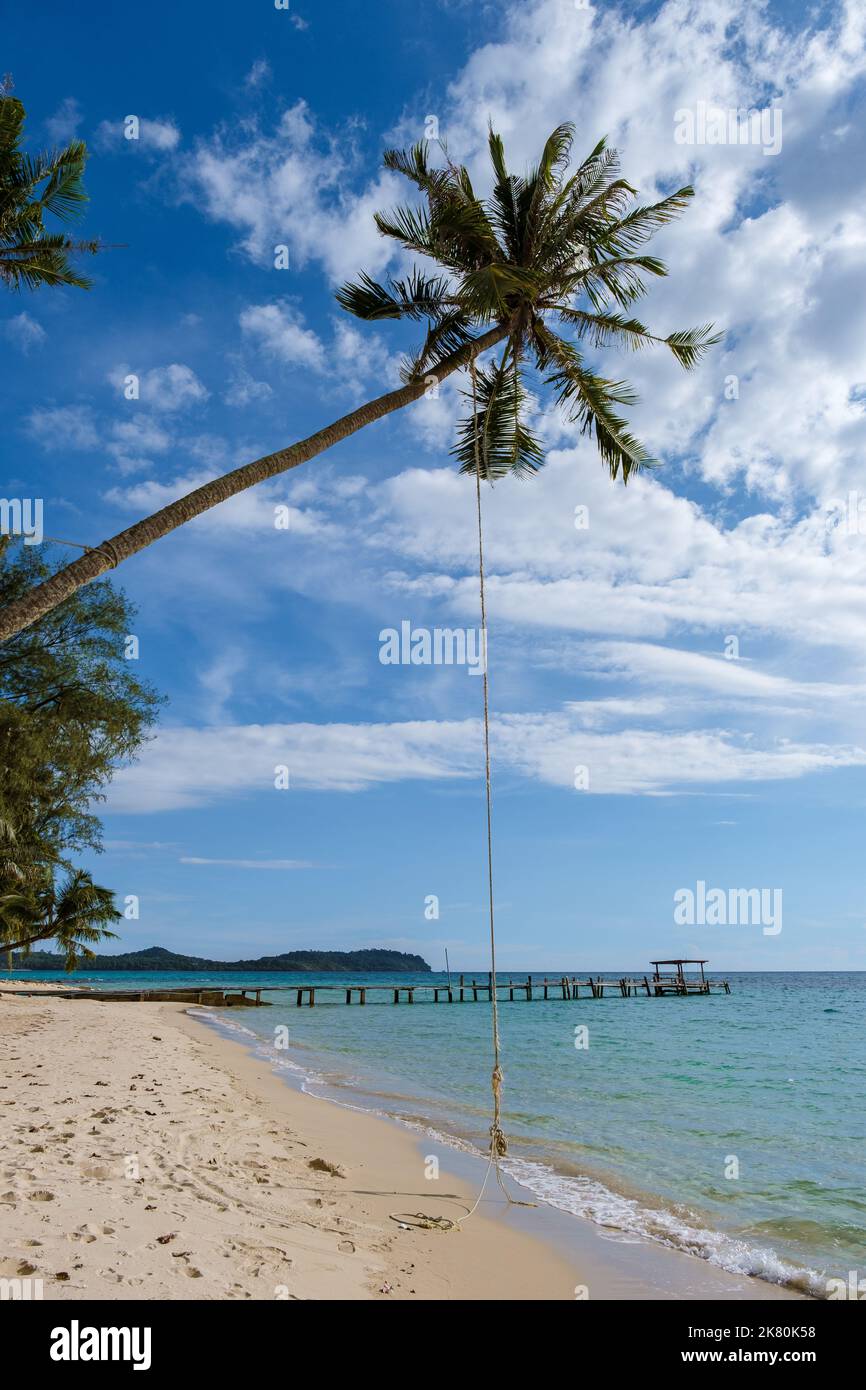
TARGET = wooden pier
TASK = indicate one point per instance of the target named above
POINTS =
(463, 989)
(223, 996)
(678, 981)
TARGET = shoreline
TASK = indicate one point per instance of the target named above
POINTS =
(611, 1264)
(176, 1165)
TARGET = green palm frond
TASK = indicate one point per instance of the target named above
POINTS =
(607, 330)
(423, 296)
(75, 914)
(637, 227)
(63, 195)
(367, 299)
(689, 344)
(31, 187)
(508, 208)
(420, 296)
(495, 426)
(413, 164)
(620, 278)
(613, 330)
(445, 336)
(590, 401)
(492, 290)
(411, 227)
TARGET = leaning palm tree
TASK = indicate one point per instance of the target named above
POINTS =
(73, 913)
(549, 250)
(30, 187)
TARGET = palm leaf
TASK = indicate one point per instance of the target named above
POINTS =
(495, 426)
(590, 401)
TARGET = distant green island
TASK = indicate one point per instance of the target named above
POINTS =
(157, 958)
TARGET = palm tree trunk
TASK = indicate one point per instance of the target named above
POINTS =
(43, 597)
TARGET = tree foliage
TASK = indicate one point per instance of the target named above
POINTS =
(32, 186)
(71, 710)
(552, 247)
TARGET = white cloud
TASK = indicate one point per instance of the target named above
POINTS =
(360, 359)
(727, 678)
(24, 332)
(132, 442)
(156, 136)
(650, 563)
(63, 427)
(243, 389)
(259, 73)
(169, 388)
(279, 333)
(185, 767)
(252, 863)
(63, 125)
(291, 186)
(218, 682)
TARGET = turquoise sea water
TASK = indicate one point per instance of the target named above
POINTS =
(639, 1130)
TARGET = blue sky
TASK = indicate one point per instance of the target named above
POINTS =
(261, 127)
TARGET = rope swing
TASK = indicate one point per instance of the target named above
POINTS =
(498, 1143)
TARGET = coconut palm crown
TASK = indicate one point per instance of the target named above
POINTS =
(548, 248)
(73, 913)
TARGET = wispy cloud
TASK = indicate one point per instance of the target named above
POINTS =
(252, 863)
(63, 125)
(152, 135)
(186, 767)
(24, 332)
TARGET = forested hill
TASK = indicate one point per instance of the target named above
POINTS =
(157, 958)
